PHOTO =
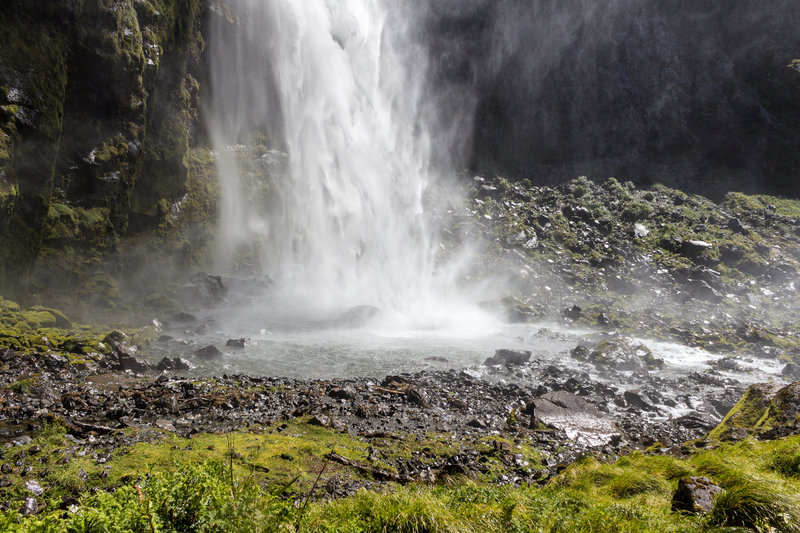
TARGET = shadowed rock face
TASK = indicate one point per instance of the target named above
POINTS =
(97, 108)
(697, 95)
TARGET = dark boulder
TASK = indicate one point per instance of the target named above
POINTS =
(207, 352)
(695, 495)
(173, 364)
(508, 357)
(236, 343)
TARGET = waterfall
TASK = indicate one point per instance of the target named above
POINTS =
(331, 152)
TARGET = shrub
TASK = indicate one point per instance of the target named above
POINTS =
(754, 505)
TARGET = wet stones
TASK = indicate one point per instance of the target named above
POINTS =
(343, 393)
(174, 364)
(508, 357)
(618, 353)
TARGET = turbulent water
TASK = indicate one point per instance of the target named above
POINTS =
(333, 157)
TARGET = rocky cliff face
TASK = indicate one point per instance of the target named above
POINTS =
(97, 112)
(695, 95)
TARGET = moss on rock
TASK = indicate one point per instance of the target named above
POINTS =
(766, 409)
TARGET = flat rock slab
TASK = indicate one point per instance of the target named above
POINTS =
(581, 421)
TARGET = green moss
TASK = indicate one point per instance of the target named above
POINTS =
(751, 413)
(61, 320)
(39, 319)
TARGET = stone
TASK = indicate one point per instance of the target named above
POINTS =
(636, 399)
(508, 357)
(791, 371)
(701, 290)
(695, 495)
(33, 486)
(31, 507)
(173, 364)
(343, 393)
(236, 343)
(695, 248)
(640, 231)
(582, 422)
(207, 352)
(573, 313)
(129, 362)
(320, 420)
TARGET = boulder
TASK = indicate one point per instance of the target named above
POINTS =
(207, 352)
(766, 410)
(619, 353)
(791, 371)
(576, 417)
(173, 364)
(508, 357)
(695, 248)
(236, 343)
(695, 495)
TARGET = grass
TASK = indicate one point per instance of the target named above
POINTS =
(262, 481)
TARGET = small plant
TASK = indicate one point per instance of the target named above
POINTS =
(635, 211)
(21, 386)
(755, 505)
(786, 463)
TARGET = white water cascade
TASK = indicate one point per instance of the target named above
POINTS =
(355, 151)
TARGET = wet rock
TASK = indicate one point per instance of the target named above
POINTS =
(129, 362)
(320, 420)
(202, 290)
(737, 226)
(695, 248)
(728, 364)
(703, 291)
(396, 383)
(115, 336)
(696, 421)
(695, 495)
(581, 421)
(417, 397)
(791, 371)
(477, 424)
(343, 393)
(573, 313)
(639, 400)
(747, 416)
(508, 357)
(207, 352)
(174, 364)
(165, 424)
(619, 353)
(236, 343)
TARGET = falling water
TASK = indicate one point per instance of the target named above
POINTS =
(335, 90)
